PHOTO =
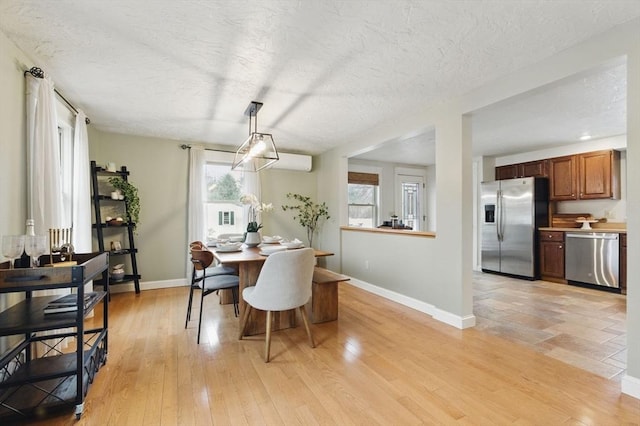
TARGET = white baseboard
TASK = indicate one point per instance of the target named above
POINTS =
(436, 313)
(455, 320)
(631, 386)
(148, 285)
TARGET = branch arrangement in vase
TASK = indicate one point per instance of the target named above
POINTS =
(308, 213)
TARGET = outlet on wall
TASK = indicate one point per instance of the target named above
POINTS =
(366, 265)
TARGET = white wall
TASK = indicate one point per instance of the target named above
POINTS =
(159, 168)
(275, 186)
(445, 268)
(631, 382)
(13, 160)
(13, 154)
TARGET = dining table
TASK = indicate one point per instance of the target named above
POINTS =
(249, 261)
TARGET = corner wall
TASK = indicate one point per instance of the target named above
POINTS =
(449, 266)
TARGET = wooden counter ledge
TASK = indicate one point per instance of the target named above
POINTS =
(406, 232)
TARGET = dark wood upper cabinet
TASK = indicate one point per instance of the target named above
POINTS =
(563, 178)
(529, 169)
(587, 176)
(535, 169)
(599, 175)
(507, 172)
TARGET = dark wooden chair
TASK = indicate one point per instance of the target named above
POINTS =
(209, 279)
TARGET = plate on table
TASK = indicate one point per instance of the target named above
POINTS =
(295, 244)
(266, 251)
(229, 247)
(271, 240)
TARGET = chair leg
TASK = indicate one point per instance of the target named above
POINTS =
(234, 295)
(189, 307)
(201, 309)
(267, 341)
(303, 312)
(245, 319)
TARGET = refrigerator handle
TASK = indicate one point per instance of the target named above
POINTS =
(498, 214)
(500, 225)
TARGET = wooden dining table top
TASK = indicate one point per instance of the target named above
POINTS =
(252, 254)
(249, 262)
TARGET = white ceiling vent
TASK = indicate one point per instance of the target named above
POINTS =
(297, 162)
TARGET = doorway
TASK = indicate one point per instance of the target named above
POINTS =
(410, 199)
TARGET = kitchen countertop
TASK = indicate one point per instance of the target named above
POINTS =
(599, 229)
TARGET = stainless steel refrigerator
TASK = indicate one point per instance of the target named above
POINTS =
(512, 211)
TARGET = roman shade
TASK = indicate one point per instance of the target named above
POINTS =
(363, 178)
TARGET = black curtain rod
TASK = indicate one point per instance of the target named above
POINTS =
(38, 73)
(185, 146)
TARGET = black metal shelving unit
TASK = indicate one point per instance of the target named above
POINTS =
(100, 200)
(37, 383)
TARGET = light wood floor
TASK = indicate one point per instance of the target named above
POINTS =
(379, 364)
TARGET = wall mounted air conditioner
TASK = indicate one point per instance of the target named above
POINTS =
(295, 162)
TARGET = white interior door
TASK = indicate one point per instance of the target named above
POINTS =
(411, 201)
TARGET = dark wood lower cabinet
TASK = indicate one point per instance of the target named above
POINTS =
(552, 256)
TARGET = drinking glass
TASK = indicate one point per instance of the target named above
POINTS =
(35, 246)
(12, 247)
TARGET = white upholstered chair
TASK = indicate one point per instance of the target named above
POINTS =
(284, 283)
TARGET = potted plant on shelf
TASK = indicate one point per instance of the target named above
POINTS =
(309, 214)
(130, 193)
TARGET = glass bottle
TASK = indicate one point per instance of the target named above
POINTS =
(25, 259)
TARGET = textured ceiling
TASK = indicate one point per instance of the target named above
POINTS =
(591, 103)
(326, 71)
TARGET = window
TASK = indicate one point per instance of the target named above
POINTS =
(363, 199)
(224, 214)
(225, 218)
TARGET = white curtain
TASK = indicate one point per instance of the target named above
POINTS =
(44, 186)
(195, 216)
(81, 216)
(45, 205)
(81, 187)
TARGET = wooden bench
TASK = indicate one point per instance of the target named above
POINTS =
(323, 305)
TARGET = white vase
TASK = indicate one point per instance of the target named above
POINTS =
(252, 239)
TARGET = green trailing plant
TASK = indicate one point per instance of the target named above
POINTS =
(130, 193)
(308, 213)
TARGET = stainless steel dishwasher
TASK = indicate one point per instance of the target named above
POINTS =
(592, 258)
